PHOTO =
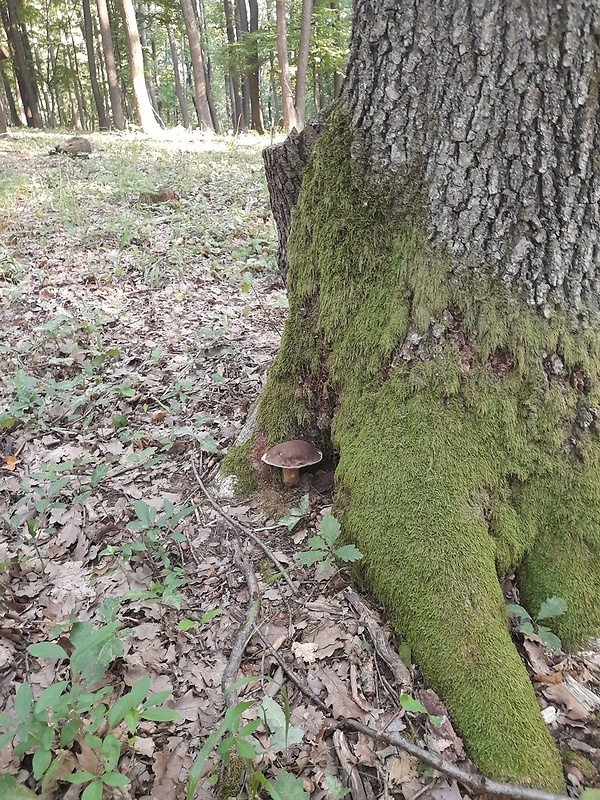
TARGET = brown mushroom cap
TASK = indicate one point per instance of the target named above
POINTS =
(292, 455)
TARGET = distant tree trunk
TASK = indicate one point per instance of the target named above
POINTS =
(114, 91)
(78, 88)
(287, 101)
(143, 107)
(253, 74)
(91, 57)
(148, 71)
(15, 119)
(239, 122)
(337, 75)
(21, 66)
(241, 24)
(200, 86)
(302, 68)
(3, 121)
(179, 90)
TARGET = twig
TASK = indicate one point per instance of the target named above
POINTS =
(266, 550)
(381, 644)
(247, 629)
(357, 790)
(476, 783)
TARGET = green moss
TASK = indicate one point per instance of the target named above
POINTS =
(460, 454)
(237, 462)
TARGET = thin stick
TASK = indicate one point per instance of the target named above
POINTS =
(477, 783)
(266, 550)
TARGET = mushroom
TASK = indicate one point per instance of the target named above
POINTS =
(291, 457)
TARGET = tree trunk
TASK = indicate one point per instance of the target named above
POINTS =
(287, 101)
(114, 91)
(143, 108)
(443, 339)
(242, 27)
(15, 119)
(21, 65)
(254, 73)
(91, 57)
(239, 123)
(179, 90)
(148, 71)
(302, 68)
(200, 87)
(337, 75)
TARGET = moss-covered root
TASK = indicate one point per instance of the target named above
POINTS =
(565, 560)
(429, 558)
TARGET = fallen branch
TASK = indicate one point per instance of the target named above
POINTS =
(476, 783)
(247, 629)
(242, 528)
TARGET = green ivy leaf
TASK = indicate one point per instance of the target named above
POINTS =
(11, 789)
(552, 607)
(115, 779)
(41, 761)
(287, 787)
(23, 699)
(550, 640)
(111, 751)
(330, 529)
(93, 791)
(309, 557)
(348, 553)
(518, 611)
(409, 703)
(47, 650)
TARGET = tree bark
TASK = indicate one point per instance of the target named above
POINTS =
(143, 107)
(239, 123)
(287, 101)
(200, 87)
(88, 28)
(179, 90)
(302, 69)
(443, 338)
(114, 91)
(254, 73)
(21, 65)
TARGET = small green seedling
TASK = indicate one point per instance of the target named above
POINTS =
(413, 706)
(69, 713)
(323, 550)
(296, 514)
(552, 607)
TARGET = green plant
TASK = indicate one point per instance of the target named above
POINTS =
(154, 531)
(413, 706)
(234, 739)
(295, 514)
(69, 713)
(334, 788)
(323, 550)
(551, 607)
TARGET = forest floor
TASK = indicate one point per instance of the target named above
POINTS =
(136, 332)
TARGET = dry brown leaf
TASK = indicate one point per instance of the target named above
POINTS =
(9, 462)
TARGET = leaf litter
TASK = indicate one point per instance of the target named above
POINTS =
(135, 337)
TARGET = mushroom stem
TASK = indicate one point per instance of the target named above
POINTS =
(291, 475)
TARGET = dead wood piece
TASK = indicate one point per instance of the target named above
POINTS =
(76, 146)
(164, 195)
(346, 759)
(472, 781)
(247, 629)
(381, 644)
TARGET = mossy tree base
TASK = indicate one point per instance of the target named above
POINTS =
(466, 431)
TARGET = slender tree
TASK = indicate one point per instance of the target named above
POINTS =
(205, 120)
(143, 107)
(443, 339)
(114, 90)
(239, 121)
(254, 71)
(287, 101)
(91, 58)
(3, 120)
(179, 90)
(9, 10)
(302, 67)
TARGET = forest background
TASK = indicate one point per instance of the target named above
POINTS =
(217, 64)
